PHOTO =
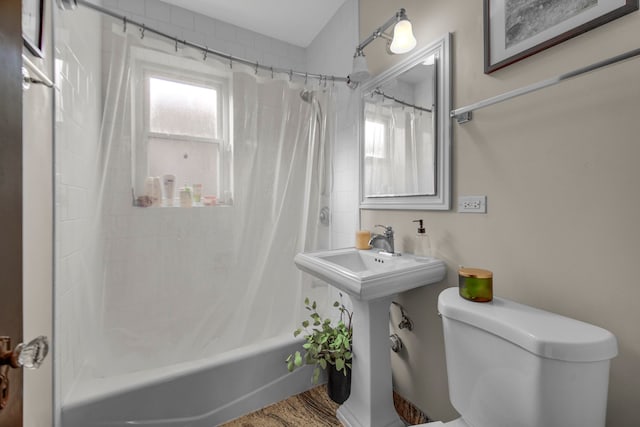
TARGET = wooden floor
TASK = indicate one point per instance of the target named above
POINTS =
(313, 408)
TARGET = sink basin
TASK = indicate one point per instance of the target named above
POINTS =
(372, 279)
(369, 274)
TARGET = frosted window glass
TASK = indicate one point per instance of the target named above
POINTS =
(190, 161)
(374, 139)
(182, 109)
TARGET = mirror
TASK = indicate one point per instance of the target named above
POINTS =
(405, 133)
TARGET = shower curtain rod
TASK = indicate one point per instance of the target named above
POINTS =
(206, 51)
(377, 91)
(463, 114)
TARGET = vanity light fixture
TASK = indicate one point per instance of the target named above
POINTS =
(402, 41)
(360, 71)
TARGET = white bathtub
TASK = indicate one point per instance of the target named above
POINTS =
(203, 393)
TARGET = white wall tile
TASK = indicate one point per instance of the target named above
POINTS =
(183, 18)
(204, 25)
(132, 6)
(329, 53)
(226, 31)
(157, 10)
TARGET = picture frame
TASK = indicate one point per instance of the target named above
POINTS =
(32, 23)
(517, 29)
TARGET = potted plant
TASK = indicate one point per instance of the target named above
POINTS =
(327, 347)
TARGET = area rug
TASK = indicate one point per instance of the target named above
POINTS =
(313, 408)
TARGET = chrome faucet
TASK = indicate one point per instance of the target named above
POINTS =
(385, 239)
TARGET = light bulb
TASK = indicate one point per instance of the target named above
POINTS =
(403, 39)
(360, 71)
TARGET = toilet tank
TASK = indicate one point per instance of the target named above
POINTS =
(511, 365)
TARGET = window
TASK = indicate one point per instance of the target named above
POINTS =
(184, 118)
(375, 138)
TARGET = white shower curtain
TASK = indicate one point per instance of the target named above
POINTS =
(183, 284)
(399, 150)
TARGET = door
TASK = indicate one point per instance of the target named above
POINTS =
(11, 201)
(26, 215)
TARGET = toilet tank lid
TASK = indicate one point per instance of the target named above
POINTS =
(540, 332)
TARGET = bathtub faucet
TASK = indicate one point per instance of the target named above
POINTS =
(384, 241)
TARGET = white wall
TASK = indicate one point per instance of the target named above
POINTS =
(331, 52)
(37, 288)
(559, 167)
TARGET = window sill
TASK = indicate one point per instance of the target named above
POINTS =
(176, 205)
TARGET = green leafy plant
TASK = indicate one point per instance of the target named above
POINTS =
(325, 344)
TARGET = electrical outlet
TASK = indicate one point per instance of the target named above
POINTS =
(472, 204)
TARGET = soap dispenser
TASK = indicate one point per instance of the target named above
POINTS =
(422, 245)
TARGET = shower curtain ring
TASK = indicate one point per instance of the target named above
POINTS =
(142, 32)
(306, 76)
(333, 81)
(176, 44)
(272, 72)
(206, 50)
(230, 62)
(257, 67)
(290, 75)
(124, 24)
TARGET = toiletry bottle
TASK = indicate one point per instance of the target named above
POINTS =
(169, 185)
(422, 245)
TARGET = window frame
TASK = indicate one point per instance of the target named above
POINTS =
(145, 70)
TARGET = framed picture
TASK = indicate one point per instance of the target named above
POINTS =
(32, 14)
(516, 29)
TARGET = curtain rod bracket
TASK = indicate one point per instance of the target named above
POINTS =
(464, 117)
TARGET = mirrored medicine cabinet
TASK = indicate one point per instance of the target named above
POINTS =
(405, 133)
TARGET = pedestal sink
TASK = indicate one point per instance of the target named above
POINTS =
(372, 279)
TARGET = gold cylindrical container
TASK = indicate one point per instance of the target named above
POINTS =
(362, 239)
(475, 284)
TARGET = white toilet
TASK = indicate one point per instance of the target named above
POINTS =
(510, 365)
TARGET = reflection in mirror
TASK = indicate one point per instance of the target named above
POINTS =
(399, 134)
(405, 133)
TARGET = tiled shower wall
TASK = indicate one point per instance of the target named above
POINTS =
(332, 53)
(78, 279)
(77, 122)
(210, 32)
